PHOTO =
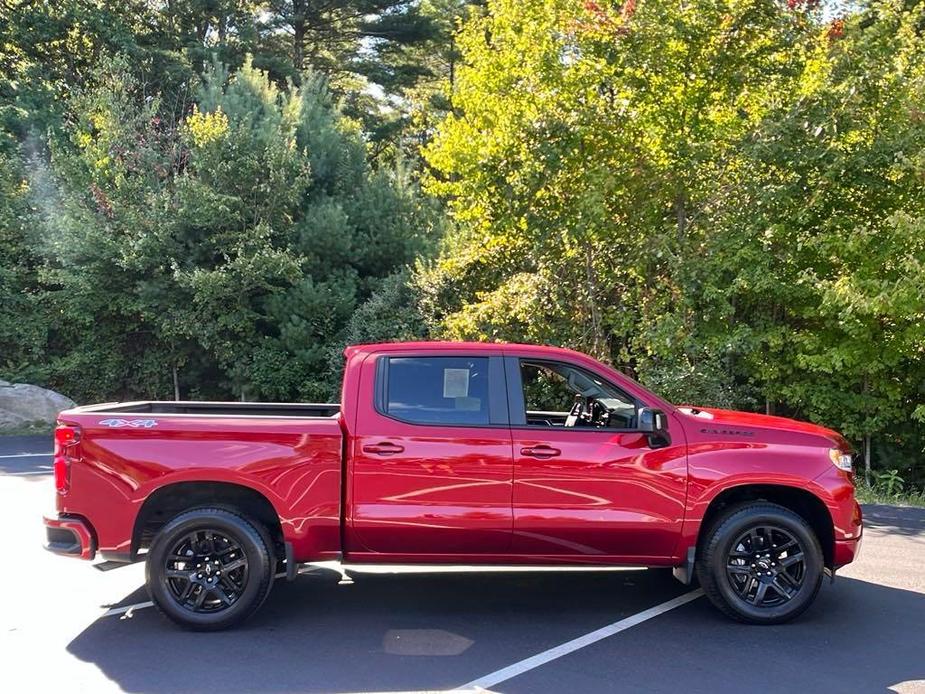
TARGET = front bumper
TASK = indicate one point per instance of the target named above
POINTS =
(846, 551)
(70, 536)
(848, 546)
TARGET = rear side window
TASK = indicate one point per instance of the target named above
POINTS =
(438, 390)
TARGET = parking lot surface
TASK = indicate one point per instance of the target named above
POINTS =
(65, 626)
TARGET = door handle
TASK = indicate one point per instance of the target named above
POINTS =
(541, 451)
(384, 448)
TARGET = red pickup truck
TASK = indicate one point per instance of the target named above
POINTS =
(455, 453)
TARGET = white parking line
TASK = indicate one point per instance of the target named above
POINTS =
(535, 661)
(128, 609)
(27, 455)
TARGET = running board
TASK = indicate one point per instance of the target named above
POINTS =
(345, 569)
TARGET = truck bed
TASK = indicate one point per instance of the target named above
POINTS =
(291, 454)
(235, 409)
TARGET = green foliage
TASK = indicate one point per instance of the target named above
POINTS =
(22, 319)
(890, 482)
(721, 198)
(373, 53)
(877, 494)
(232, 243)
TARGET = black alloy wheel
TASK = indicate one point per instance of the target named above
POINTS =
(210, 568)
(206, 571)
(760, 563)
(766, 566)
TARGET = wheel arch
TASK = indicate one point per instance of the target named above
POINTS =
(169, 500)
(802, 502)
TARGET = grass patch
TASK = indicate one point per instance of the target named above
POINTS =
(877, 494)
(31, 429)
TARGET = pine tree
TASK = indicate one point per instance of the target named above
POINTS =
(231, 243)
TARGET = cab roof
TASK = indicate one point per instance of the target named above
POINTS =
(441, 346)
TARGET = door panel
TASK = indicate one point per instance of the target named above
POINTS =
(604, 494)
(433, 488)
(589, 486)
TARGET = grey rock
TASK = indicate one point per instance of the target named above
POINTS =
(23, 405)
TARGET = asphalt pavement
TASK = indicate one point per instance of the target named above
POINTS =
(65, 626)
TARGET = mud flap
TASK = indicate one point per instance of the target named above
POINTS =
(291, 569)
(685, 572)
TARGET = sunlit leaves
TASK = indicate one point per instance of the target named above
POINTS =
(722, 197)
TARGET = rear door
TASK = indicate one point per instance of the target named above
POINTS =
(589, 489)
(431, 459)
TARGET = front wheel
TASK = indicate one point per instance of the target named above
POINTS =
(761, 563)
(209, 568)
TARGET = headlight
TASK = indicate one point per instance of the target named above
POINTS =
(842, 460)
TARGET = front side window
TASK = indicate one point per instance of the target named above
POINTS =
(438, 390)
(561, 395)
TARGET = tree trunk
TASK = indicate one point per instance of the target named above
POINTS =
(176, 384)
(298, 35)
(680, 210)
(597, 333)
(864, 388)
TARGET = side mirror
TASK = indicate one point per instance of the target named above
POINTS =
(654, 423)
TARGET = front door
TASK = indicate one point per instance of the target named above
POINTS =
(431, 462)
(586, 484)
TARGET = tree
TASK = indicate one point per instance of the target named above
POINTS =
(832, 298)
(231, 243)
(335, 36)
(22, 320)
(722, 198)
(587, 141)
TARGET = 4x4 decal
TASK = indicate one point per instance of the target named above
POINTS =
(133, 423)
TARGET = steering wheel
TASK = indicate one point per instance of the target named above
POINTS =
(597, 414)
(588, 412)
(577, 413)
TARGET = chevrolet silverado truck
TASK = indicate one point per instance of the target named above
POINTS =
(449, 454)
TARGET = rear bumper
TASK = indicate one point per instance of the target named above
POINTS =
(70, 537)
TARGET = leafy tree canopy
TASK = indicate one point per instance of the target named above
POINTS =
(721, 197)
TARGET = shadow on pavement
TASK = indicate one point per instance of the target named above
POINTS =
(857, 637)
(901, 520)
(24, 456)
(400, 633)
(385, 633)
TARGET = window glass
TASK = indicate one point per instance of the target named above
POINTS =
(438, 390)
(557, 394)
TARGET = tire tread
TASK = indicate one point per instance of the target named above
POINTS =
(268, 572)
(714, 535)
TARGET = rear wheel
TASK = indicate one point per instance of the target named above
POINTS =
(209, 568)
(761, 563)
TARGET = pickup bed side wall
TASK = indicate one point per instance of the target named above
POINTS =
(294, 462)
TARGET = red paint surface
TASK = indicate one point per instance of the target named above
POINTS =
(458, 493)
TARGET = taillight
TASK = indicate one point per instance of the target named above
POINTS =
(66, 437)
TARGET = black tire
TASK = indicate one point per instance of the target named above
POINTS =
(760, 544)
(192, 591)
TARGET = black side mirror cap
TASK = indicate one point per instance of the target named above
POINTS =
(651, 421)
(654, 423)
